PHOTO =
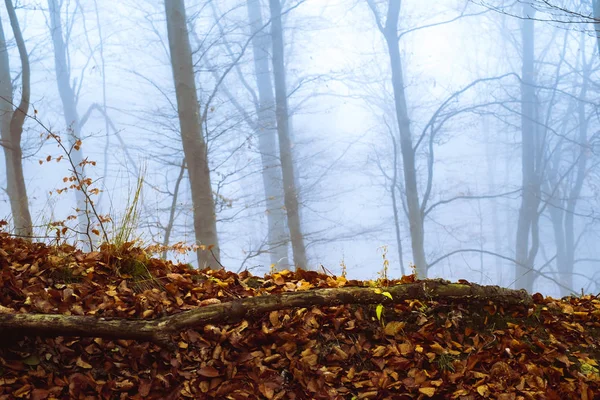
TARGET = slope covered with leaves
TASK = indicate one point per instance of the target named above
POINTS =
(417, 349)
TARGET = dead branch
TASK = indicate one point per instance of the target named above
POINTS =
(160, 330)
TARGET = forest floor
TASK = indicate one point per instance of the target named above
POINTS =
(415, 349)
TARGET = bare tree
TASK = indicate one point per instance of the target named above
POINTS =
(266, 130)
(261, 120)
(12, 120)
(568, 168)
(569, 13)
(555, 149)
(389, 29)
(596, 8)
(394, 187)
(69, 91)
(578, 12)
(283, 131)
(194, 146)
(260, 117)
(531, 157)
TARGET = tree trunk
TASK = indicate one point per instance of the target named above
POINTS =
(285, 147)
(581, 169)
(492, 167)
(596, 5)
(194, 146)
(267, 141)
(395, 207)
(415, 216)
(11, 127)
(528, 211)
(67, 97)
(557, 218)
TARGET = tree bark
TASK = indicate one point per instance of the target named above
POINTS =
(71, 116)
(267, 141)
(11, 126)
(194, 145)
(285, 146)
(160, 330)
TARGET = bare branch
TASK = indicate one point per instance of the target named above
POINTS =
(465, 197)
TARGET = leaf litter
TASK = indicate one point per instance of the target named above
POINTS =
(416, 349)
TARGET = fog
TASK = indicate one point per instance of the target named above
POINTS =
(462, 139)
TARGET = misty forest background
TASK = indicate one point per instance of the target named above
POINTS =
(459, 136)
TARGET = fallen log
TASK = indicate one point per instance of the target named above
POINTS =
(160, 330)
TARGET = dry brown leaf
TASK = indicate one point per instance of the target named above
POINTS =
(208, 371)
(82, 364)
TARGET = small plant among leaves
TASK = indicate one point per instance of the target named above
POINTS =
(77, 181)
(379, 307)
(382, 280)
(383, 274)
(132, 264)
(344, 268)
(65, 275)
(413, 268)
(92, 225)
(123, 233)
(445, 362)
